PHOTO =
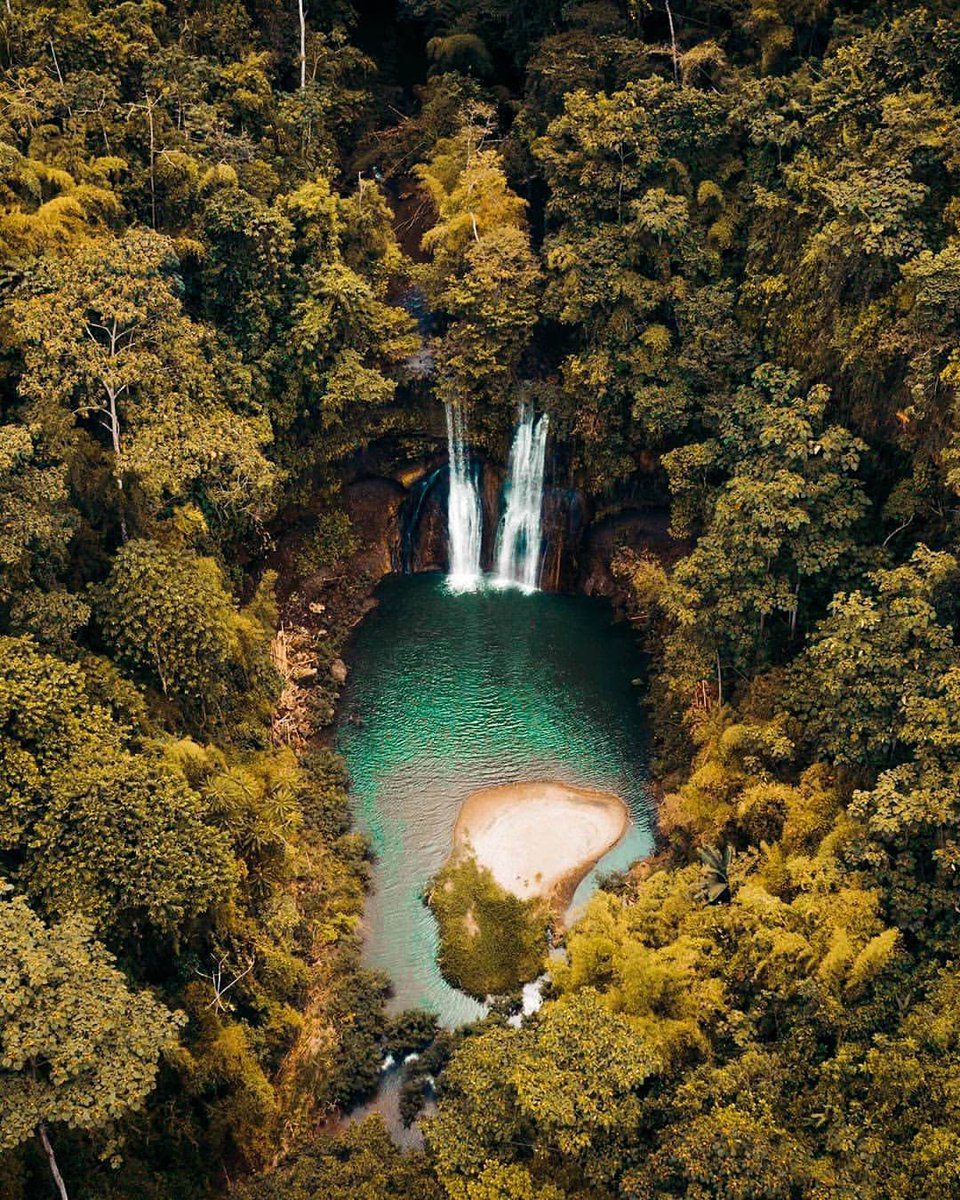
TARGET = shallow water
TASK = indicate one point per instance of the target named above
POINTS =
(449, 693)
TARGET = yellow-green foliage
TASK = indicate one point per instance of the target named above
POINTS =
(566, 1086)
(482, 275)
(169, 617)
(679, 967)
(663, 985)
(332, 539)
(490, 941)
(45, 208)
(362, 1163)
(731, 794)
(77, 1045)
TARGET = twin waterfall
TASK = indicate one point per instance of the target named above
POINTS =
(519, 536)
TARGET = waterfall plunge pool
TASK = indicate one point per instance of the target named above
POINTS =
(453, 692)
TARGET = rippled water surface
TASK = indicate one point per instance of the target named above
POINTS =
(449, 693)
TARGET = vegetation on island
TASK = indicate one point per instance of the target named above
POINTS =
(491, 942)
(720, 244)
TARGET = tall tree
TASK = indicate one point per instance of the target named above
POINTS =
(168, 616)
(38, 519)
(876, 655)
(77, 1046)
(782, 524)
(642, 215)
(482, 276)
(89, 824)
(107, 347)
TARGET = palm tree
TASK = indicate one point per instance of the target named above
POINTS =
(714, 884)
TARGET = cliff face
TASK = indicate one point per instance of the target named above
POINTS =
(566, 515)
(400, 516)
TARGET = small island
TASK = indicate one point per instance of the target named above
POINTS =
(519, 852)
(539, 839)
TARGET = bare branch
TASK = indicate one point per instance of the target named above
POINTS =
(899, 529)
(215, 978)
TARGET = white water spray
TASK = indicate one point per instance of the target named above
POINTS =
(464, 512)
(520, 534)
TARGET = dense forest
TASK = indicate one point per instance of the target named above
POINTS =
(718, 241)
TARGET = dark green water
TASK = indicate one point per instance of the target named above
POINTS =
(449, 693)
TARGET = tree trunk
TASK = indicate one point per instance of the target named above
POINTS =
(63, 87)
(303, 45)
(793, 611)
(673, 44)
(52, 1159)
(114, 428)
(153, 165)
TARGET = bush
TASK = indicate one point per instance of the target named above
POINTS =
(491, 942)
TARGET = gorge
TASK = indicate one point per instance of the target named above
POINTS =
(478, 680)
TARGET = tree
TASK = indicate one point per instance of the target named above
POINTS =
(877, 656)
(641, 217)
(483, 276)
(301, 12)
(503, 1113)
(491, 942)
(779, 527)
(853, 205)
(47, 719)
(168, 616)
(907, 840)
(345, 344)
(243, 272)
(44, 208)
(125, 840)
(77, 1046)
(106, 346)
(363, 1163)
(37, 519)
(725, 1153)
(88, 825)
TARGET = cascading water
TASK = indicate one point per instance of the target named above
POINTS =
(520, 534)
(464, 512)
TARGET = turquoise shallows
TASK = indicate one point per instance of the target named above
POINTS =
(452, 692)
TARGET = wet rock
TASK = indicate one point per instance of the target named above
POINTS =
(565, 514)
(638, 530)
(427, 549)
(372, 505)
(339, 671)
(491, 487)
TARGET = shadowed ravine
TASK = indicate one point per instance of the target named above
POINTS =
(449, 693)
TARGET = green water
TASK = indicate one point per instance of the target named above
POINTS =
(449, 693)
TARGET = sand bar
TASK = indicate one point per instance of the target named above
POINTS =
(539, 839)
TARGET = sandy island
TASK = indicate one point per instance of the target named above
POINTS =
(539, 839)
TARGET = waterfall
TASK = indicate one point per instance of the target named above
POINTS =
(464, 513)
(520, 533)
